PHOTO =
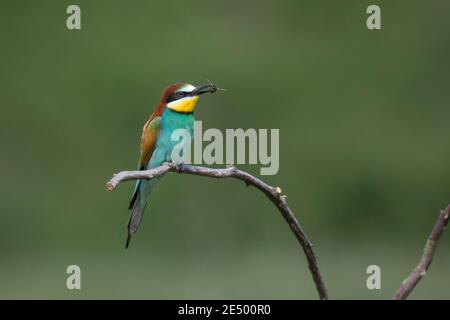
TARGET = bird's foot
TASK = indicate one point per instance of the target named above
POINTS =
(176, 165)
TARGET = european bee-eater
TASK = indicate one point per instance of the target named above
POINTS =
(174, 111)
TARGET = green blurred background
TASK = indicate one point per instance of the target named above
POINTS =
(364, 146)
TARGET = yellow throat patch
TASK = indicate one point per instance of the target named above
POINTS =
(185, 105)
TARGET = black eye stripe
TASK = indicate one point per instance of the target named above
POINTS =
(176, 95)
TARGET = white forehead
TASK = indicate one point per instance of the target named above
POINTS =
(186, 88)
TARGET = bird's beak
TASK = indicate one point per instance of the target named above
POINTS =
(204, 89)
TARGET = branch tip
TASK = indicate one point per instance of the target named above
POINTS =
(109, 186)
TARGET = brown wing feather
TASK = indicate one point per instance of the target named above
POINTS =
(148, 140)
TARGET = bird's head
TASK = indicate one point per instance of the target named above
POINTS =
(183, 97)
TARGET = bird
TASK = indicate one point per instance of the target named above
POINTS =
(174, 111)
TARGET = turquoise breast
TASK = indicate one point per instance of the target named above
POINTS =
(170, 122)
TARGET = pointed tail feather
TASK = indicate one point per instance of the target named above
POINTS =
(137, 205)
(135, 218)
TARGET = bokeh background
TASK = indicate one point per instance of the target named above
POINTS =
(364, 146)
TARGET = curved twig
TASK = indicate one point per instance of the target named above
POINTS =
(274, 194)
(430, 247)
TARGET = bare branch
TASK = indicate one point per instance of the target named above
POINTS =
(274, 194)
(430, 247)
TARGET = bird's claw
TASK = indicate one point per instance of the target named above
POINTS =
(176, 165)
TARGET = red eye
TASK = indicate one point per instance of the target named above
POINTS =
(180, 94)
